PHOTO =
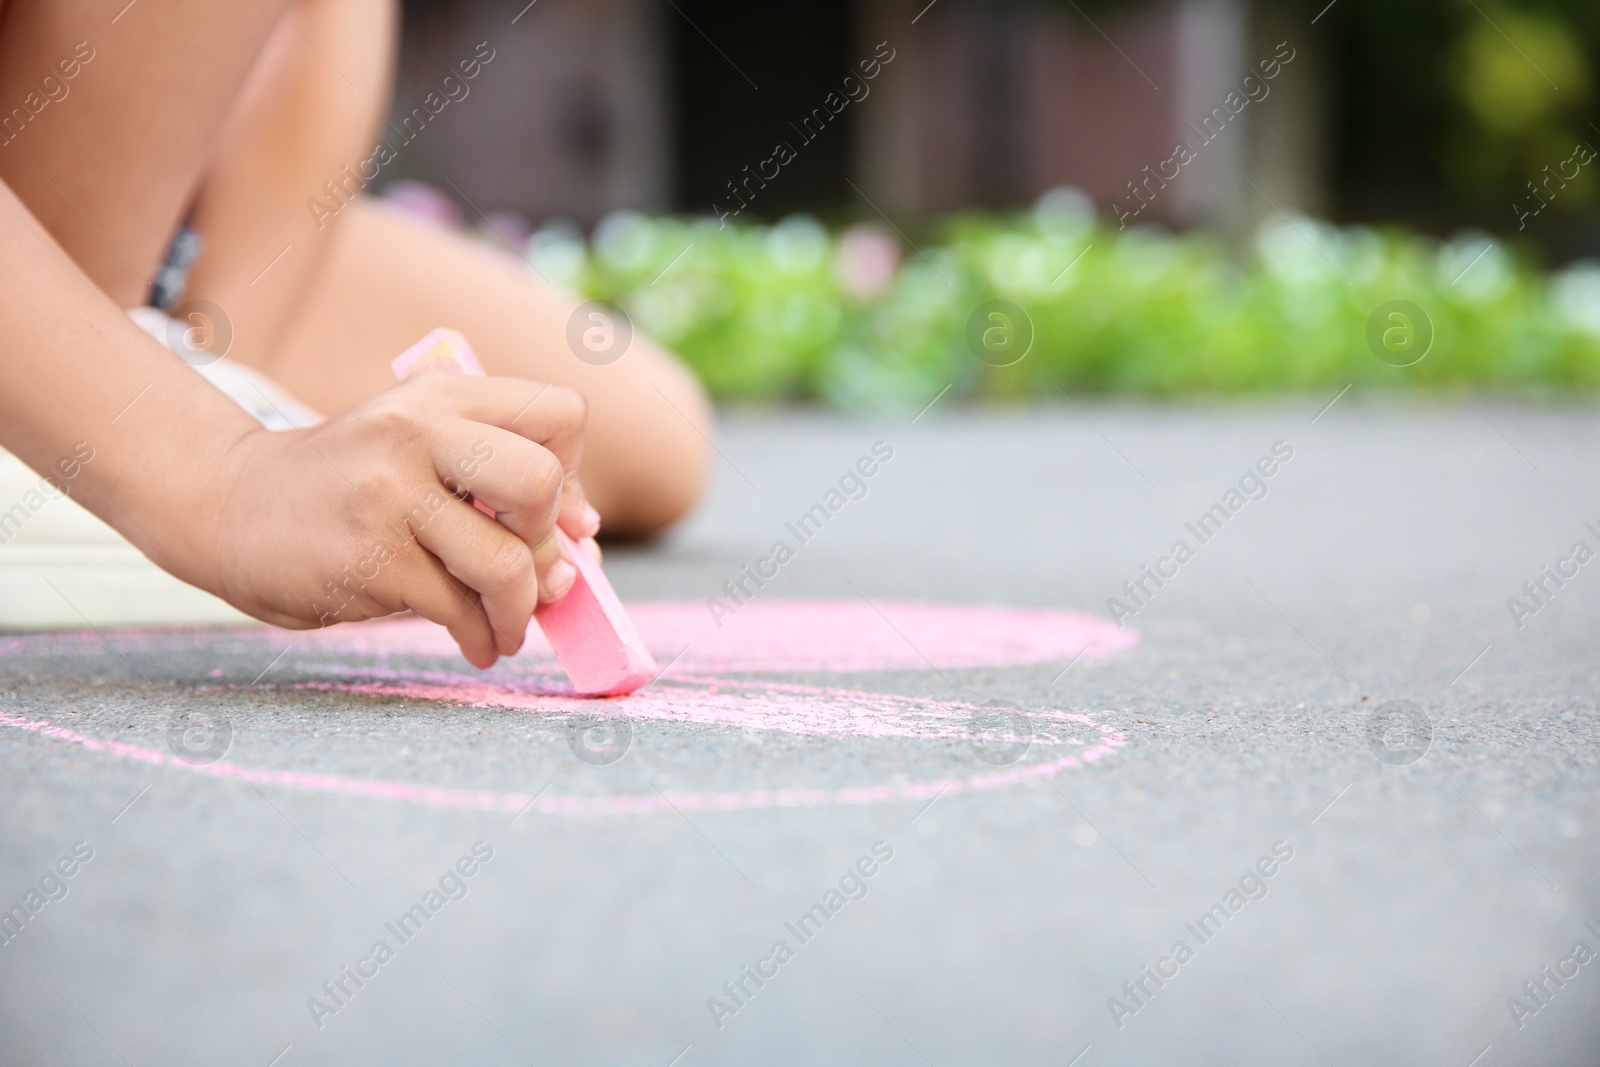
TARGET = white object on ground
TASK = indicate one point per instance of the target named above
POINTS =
(62, 568)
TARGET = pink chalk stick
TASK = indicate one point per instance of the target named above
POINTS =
(442, 349)
(589, 629)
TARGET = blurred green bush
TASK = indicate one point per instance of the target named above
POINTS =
(864, 320)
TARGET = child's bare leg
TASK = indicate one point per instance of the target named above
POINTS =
(308, 115)
(158, 110)
(263, 519)
(109, 169)
(325, 321)
(388, 280)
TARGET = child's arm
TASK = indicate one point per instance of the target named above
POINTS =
(296, 528)
(74, 367)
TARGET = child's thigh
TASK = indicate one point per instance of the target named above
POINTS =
(388, 280)
(109, 110)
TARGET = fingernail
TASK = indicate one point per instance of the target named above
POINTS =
(591, 518)
(559, 579)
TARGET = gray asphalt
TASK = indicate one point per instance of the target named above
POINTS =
(1423, 888)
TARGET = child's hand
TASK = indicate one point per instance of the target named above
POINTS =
(364, 515)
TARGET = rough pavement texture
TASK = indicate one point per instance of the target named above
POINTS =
(1420, 893)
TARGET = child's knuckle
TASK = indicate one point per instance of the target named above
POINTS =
(543, 480)
(511, 564)
(570, 405)
(406, 423)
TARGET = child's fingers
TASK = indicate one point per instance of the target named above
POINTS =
(556, 573)
(578, 517)
(491, 560)
(552, 416)
(429, 591)
(556, 418)
(522, 483)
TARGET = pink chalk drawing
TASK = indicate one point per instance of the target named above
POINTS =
(777, 636)
(414, 660)
(1108, 740)
(801, 710)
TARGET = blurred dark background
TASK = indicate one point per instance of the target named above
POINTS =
(1437, 114)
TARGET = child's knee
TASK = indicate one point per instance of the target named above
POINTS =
(669, 460)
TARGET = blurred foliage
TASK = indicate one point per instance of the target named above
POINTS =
(793, 311)
(1521, 79)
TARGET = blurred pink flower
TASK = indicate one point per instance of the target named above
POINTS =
(866, 261)
(423, 201)
(502, 228)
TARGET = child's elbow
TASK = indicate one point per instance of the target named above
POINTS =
(666, 472)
